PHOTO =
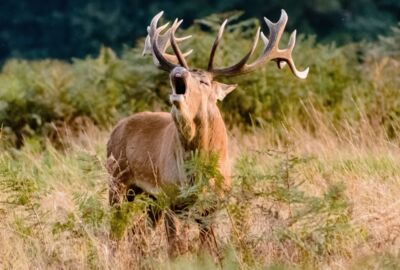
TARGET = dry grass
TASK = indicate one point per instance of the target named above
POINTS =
(54, 212)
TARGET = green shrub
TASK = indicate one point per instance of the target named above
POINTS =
(311, 226)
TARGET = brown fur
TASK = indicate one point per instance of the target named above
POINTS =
(147, 150)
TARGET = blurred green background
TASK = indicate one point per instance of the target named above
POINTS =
(72, 28)
(71, 62)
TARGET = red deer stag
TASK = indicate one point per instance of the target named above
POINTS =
(146, 151)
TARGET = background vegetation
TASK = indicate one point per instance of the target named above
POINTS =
(348, 84)
(316, 162)
(65, 29)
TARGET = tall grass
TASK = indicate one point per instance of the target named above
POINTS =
(325, 202)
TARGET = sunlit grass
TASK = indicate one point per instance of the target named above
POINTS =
(291, 206)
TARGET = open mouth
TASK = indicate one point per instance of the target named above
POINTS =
(179, 87)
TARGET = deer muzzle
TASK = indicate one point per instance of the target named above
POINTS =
(178, 77)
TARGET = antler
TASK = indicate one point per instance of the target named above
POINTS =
(156, 44)
(270, 51)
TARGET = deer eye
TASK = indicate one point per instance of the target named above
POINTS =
(204, 82)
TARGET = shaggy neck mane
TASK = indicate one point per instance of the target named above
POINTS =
(205, 132)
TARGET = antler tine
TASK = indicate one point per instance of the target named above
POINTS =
(164, 63)
(215, 45)
(151, 29)
(163, 41)
(281, 64)
(281, 24)
(183, 38)
(292, 42)
(174, 44)
(264, 39)
(239, 67)
(270, 44)
(153, 24)
(270, 52)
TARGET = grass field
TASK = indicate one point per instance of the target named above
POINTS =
(326, 200)
(316, 163)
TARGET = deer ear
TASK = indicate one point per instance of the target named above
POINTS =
(221, 89)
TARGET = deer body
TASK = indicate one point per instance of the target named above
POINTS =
(143, 145)
(146, 152)
(148, 149)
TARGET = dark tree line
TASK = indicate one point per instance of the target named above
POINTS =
(75, 28)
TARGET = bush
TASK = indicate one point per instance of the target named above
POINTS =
(310, 226)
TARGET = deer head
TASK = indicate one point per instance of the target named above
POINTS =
(195, 92)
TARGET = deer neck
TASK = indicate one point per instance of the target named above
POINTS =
(205, 132)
